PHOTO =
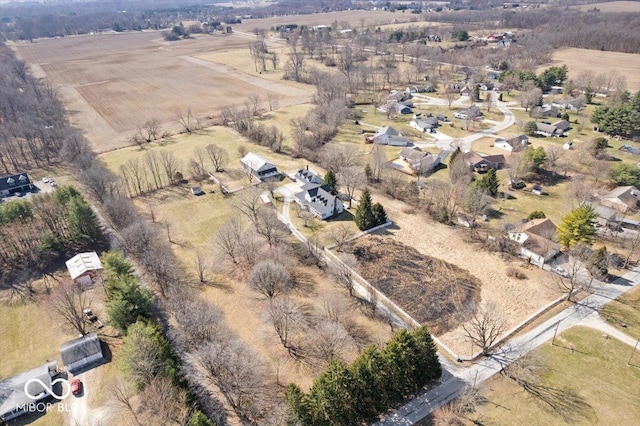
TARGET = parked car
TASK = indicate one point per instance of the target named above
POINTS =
(76, 386)
(560, 271)
(45, 180)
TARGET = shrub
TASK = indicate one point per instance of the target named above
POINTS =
(513, 272)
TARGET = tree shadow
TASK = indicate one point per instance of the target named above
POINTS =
(304, 282)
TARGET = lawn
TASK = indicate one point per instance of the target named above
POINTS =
(625, 310)
(606, 388)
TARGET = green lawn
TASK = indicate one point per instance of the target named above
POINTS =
(605, 388)
(625, 310)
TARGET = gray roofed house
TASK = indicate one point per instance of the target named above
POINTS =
(622, 198)
(563, 126)
(81, 353)
(424, 124)
(389, 136)
(546, 110)
(307, 176)
(14, 401)
(482, 163)
(14, 183)
(547, 130)
(515, 144)
(536, 239)
(420, 161)
(319, 200)
(259, 167)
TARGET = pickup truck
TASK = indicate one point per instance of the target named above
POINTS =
(92, 318)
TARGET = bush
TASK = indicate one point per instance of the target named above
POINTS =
(515, 273)
(537, 214)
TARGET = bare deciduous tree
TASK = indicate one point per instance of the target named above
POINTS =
(270, 278)
(152, 129)
(342, 271)
(170, 164)
(68, 301)
(330, 341)
(248, 203)
(270, 227)
(186, 120)
(218, 156)
(485, 326)
(575, 278)
(227, 239)
(166, 403)
(289, 321)
(351, 179)
(124, 395)
(202, 268)
(340, 234)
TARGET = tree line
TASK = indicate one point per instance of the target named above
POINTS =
(376, 381)
(32, 129)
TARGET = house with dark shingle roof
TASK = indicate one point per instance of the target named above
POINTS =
(622, 198)
(259, 167)
(419, 160)
(514, 144)
(424, 124)
(15, 183)
(82, 353)
(19, 392)
(315, 197)
(482, 163)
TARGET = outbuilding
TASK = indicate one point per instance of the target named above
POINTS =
(82, 353)
(84, 268)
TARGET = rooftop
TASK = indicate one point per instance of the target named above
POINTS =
(82, 263)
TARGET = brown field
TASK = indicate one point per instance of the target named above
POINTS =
(353, 17)
(113, 83)
(614, 6)
(578, 60)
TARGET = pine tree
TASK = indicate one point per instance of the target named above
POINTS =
(84, 227)
(379, 215)
(330, 180)
(489, 182)
(199, 419)
(577, 227)
(364, 217)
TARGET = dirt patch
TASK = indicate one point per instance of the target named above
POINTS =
(434, 292)
(614, 6)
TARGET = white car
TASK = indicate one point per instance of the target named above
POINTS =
(45, 180)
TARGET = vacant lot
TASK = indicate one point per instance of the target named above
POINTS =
(604, 387)
(113, 83)
(579, 60)
(435, 293)
(624, 313)
(516, 299)
(614, 6)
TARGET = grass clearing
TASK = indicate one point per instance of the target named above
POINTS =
(597, 372)
(614, 6)
(625, 310)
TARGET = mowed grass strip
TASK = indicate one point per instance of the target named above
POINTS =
(625, 310)
(596, 371)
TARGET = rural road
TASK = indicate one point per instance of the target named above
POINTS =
(583, 313)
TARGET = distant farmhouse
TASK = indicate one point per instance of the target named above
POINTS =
(13, 184)
(259, 167)
(315, 197)
(84, 268)
(14, 400)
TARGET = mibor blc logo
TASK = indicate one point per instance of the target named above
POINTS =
(66, 387)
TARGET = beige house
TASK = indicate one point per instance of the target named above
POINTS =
(536, 240)
(623, 198)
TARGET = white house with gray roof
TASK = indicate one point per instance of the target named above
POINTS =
(259, 167)
(82, 353)
(389, 136)
(315, 197)
(14, 400)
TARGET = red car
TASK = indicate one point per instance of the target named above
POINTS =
(76, 386)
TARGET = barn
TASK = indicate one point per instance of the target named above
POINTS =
(82, 353)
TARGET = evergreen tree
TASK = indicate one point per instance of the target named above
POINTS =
(330, 180)
(128, 302)
(364, 217)
(427, 357)
(536, 156)
(489, 182)
(597, 263)
(536, 214)
(379, 215)
(577, 227)
(530, 128)
(199, 419)
(297, 405)
(84, 227)
(116, 266)
(330, 397)
(368, 384)
(475, 93)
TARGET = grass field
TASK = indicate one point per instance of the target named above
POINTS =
(579, 60)
(625, 310)
(614, 6)
(606, 388)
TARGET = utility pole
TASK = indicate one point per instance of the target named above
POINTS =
(555, 333)
(632, 353)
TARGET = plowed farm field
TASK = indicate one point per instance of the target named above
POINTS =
(113, 83)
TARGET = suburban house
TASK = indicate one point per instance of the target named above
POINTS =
(395, 107)
(454, 88)
(472, 112)
(419, 160)
(570, 104)
(389, 136)
(84, 268)
(536, 241)
(317, 198)
(486, 86)
(546, 111)
(514, 144)
(425, 124)
(556, 129)
(482, 163)
(398, 96)
(81, 353)
(307, 176)
(622, 198)
(15, 183)
(465, 91)
(19, 392)
(259, 167)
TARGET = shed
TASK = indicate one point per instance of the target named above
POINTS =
(84, 267)
(196, 190)
(81, 353)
